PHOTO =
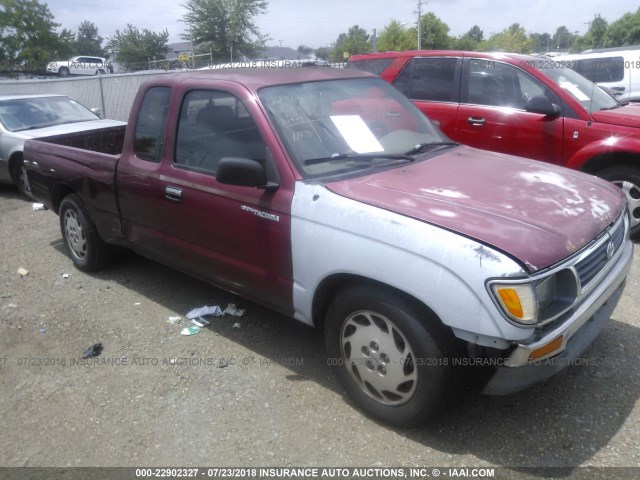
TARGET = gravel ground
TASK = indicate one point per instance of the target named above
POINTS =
(256, 390)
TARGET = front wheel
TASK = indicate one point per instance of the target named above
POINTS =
(391, 355)
(20, 178)
(63, 72)
(84, 245)
(628, 180)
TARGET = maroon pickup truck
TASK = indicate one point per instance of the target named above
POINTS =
(326, 195)
(533, 107)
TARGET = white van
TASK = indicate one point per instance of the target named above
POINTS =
(616, 69)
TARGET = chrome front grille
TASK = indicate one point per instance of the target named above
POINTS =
(599, 256)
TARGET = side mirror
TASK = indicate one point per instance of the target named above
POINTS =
(542, 105)
(97, 111)
(243, 172)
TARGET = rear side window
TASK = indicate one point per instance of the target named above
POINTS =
(149, 138)
(432, 79)
(605, 69)
(376, 66)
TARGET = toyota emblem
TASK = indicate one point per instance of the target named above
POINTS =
(610, 249)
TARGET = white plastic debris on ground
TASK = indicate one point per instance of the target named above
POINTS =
(193, 330)
(174, 320)
(199, 312)
(38, 206)
(200, 321)
(216, 311)
(233, 311)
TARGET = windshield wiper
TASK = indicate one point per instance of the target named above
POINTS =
(613, 107)
(365, 157)
(423, 147)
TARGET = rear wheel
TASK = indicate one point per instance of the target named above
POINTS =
(628, 180)
(84, 245)
(392, 356)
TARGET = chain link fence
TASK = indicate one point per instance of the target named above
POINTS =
(112, 94)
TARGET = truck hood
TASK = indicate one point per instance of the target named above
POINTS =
(628, 116)
(535, 212)
(67, 128)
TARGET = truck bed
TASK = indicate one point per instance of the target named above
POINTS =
(82, 162)
(104, 140)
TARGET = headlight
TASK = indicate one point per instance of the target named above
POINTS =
(531, 302)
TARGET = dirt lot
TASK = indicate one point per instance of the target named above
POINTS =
(258, 393)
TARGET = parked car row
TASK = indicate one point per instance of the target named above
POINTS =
(533, 107)
(326, 195)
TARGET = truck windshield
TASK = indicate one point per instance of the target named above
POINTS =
(590, 96)
(349, 125)
(31, 113)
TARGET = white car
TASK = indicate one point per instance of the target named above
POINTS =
(614, 69)
(34, 116)
(81, 65)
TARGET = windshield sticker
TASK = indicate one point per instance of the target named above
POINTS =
(575, 91)
(356, 133)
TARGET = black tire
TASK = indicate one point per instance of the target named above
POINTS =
(19, 176)
(394, 328)
(628, 179)
(84, 245)
(63, 72)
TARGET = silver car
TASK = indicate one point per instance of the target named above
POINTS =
(33, 116)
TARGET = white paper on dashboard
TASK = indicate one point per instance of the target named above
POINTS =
(575, 91)
(356, 133)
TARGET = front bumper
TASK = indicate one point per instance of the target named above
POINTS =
(578, 332)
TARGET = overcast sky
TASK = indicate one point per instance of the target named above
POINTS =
(318, 23)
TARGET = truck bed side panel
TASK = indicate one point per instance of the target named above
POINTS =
(56, 167)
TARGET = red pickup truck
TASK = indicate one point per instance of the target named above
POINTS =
(326, 195)
(533, 107)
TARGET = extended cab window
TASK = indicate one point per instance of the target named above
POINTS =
(152, 121)
(430, 79)
(214, 125)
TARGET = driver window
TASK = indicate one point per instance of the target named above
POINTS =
(213, 125)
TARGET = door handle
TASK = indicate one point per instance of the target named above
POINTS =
(393, 114)
(172, 193)
(476, 121)
(618, 89)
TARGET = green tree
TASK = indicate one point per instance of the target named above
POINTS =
(540, 42)
(434, 32)
(562, 39)
(303, 49)
(354, 42)
(475, 34)
(513, 39)
(598, 30)
(470, 40)
(28, 37)
(226, 27)
(395, 37)
(88, 42)
(624, 31)
(134, 48)
(323, 53)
